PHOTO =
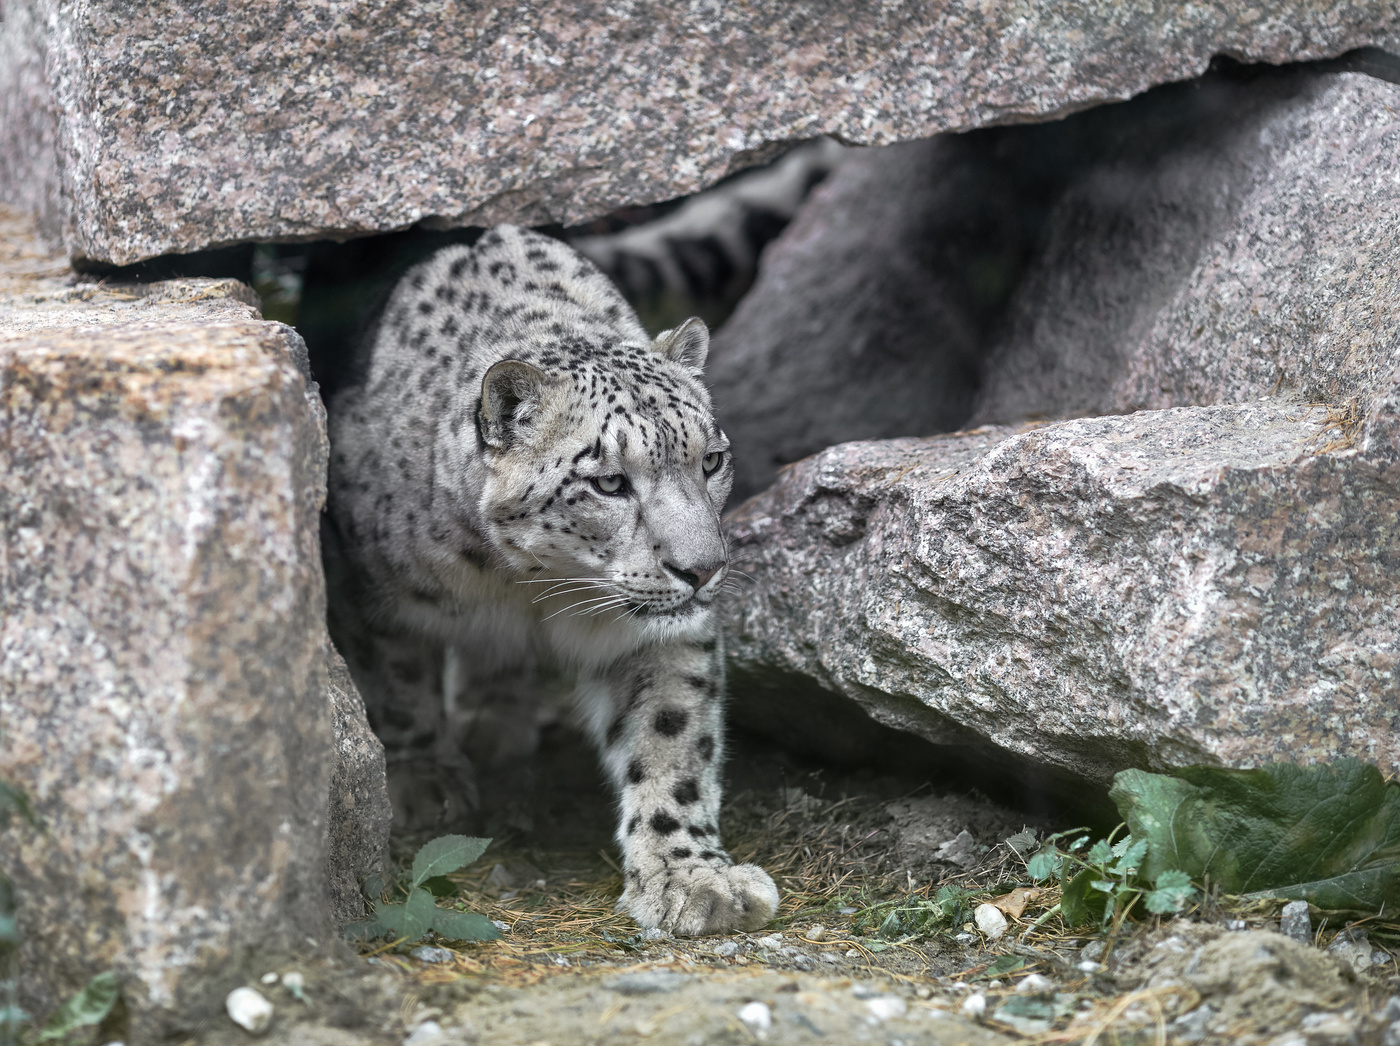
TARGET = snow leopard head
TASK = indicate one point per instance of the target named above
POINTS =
(606, 474)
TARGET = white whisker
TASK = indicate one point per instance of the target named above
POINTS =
(556, 580)
(567, 591)
(580, 603)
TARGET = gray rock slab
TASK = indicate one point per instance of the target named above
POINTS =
(137, 131)
(862, 323)
(1205, 584)
(357, 823)
(1256, 256)
(163, 654)
(1211, 242)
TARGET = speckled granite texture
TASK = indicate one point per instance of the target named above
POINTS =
(163, 656)
(1169, 587)
(1257, 256)
(178, 124)
(1218, 241)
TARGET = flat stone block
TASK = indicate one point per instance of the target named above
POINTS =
(1204, 584)
(163, 656)
(173, 125)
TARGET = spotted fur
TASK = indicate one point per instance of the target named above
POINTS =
(703, 256)
(523, 469)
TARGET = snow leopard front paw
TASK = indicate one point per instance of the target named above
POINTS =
(697, 898)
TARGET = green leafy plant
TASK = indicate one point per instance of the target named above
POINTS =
(1103, 882)
(87, 1009)
(411, 919)
(1328, 834)
(912, 916)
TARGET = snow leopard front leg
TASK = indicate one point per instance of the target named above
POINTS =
(659, 717)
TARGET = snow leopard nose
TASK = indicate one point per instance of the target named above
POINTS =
(697, 577)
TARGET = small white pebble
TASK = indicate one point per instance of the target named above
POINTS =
(974, 1005)
(756, 1015)
(1088, 966)
(994, 984)
(960, 986)
(845, 911)
(269, 978)
(431, 953)
(816, 933)
(295, 983)
(249, 1010)
(990, 920)
(429, 1033)
(501, 925)
(726, 948)
(851, 953)
(886, 1006)
(1035, 983)
(772, 942)
(655, 933)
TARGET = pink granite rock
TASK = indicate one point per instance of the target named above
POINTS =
(169, 126)
(1200, 584)
(165, 695)
(1258, 257)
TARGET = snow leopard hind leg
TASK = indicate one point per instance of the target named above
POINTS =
(658, 719)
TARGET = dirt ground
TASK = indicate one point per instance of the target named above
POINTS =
(850, 853)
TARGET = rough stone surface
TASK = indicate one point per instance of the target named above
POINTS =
(1257, 255)
(357, 826)
(175, 125)
(1209, 584)
(863, 323)
(1209, 242)
(163, 656)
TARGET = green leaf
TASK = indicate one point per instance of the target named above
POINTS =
(388, 922)
(366, 930)
(439, 886)
(373, 888)
(1173, 893)
(1327, 834)
(1129, 856)
(463, 926)
(1044, 864)
(1005, 964)
(1073, 900)
(1100, 853)
(90, 1006)
(446, 854)
(418, 913)
(1022, 841)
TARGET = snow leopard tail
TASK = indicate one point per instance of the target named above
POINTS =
(701, 257)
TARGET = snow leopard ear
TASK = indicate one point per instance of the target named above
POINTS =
(510, 393)
(687, 345)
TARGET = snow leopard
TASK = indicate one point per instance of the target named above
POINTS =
(523, 469)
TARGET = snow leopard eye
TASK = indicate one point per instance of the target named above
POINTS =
(610, 484)
(711, 461)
